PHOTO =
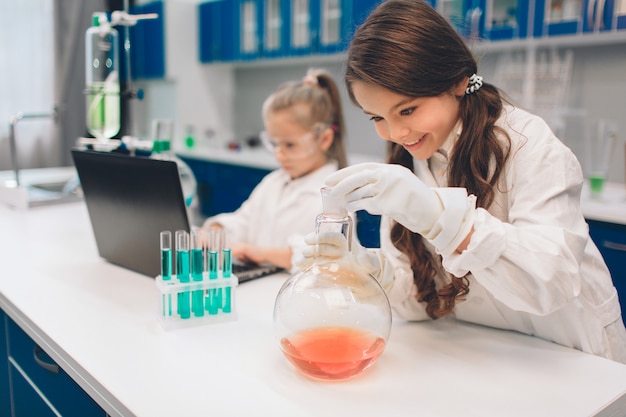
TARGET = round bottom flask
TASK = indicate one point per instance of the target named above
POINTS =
(332, 318)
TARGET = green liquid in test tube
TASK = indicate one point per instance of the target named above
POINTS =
(227, 269)
(197, 269)
(183, 272)
(211, 302)
(166, 270)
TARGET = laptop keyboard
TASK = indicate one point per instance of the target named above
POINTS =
(246, 272)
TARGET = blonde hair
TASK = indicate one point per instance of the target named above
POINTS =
(318, 92)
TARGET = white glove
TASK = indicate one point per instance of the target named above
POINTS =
(333, 245)
(444, 216)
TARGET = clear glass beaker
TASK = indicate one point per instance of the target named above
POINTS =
(600, 145)
(332, 318)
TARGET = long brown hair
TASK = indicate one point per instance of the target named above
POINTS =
(407, 47)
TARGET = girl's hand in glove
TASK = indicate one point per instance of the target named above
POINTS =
(334, 246)
(392, 190)
(442, 215)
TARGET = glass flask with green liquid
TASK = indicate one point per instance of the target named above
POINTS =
(332, 319)
(102, 78)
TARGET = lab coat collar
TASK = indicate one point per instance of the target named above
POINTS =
(422, 167)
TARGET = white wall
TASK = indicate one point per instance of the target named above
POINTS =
(27, 82)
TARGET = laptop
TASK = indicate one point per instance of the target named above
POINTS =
(130, 200)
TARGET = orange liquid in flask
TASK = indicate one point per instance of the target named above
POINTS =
(332, 353)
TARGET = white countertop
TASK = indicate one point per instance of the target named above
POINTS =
(99, 322)
(253, 157)
(609, 207)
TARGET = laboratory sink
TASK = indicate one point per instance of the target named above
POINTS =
(39, 187)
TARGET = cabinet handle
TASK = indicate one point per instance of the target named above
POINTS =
(52, 367)
(615, 246)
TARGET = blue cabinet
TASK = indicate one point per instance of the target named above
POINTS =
(38, 386)
(216, 23)
(244, 30)
(610, 238)
(565, 17)
(223, 187)
(147, 41)
(5, 399)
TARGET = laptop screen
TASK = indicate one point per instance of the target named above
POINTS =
(130, 200)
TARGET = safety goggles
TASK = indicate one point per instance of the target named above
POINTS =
(301, 147)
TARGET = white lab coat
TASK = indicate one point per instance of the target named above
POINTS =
(533, 267)
(279, 211)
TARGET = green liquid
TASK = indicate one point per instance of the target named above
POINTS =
(166, 264)
(182, 272)
(182, 265)
(197, 264)
(103, 109)
(197, 268)
(597, 183)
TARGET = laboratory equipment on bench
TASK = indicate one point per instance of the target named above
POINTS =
(162, 133)
(332, 319)
(102, 79)
(202, 289)
(600, 143)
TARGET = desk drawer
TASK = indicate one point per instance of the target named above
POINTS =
(31, 368)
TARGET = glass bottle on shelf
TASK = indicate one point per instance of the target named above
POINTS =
(332, 318)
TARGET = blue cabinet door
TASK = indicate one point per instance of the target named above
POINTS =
(217, 31)
(558, 17)
(610, 238)
(223, 187)
(504, 19)
(148, 43)
(275, 28)
(250, 29)
(5, 399)
(36, 378)
(26, 400)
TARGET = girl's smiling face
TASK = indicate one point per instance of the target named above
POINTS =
(421, 125)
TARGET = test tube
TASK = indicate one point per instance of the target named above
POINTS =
(197, 254)
(197, 269)
(182, 272)
(227, 267)
(166, 255)
(166, 270)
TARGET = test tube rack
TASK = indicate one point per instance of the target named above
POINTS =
(184, 304)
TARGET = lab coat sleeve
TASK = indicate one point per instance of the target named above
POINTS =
(531, 261)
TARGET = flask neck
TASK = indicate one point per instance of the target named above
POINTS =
(334, 218)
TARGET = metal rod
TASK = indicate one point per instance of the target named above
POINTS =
(12, 143)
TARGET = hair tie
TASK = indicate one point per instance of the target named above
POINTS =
(475, 82)
(310, 80)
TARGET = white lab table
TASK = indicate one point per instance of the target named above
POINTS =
(99, 322)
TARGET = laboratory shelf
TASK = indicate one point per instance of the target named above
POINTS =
(579, 40)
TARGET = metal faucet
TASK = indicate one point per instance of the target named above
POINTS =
(14, 119)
